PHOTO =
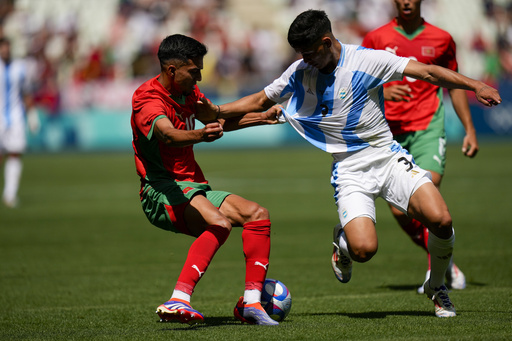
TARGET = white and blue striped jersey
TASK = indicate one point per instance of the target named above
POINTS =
(342, 111)
(14, 82)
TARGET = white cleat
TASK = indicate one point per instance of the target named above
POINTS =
(341, 264)
(443, 306)
(455, 278)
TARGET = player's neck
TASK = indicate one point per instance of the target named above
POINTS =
(168, 85)
(410, 25)
(336, 55)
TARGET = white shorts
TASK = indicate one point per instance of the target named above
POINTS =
(13, 140)
(360, 178)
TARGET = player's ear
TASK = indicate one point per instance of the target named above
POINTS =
(327, 42)
(171, 70)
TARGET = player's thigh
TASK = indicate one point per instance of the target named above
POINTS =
(13, 139)
(240, 210)
(200, 213)
(428, 206)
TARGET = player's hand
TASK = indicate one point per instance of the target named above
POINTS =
(206, 111)
(397, 93)
(271, 116)
(470, 145)
(33, 121)
(212, 131)
(488, 96)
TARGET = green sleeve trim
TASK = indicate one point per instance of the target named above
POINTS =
(150, 134)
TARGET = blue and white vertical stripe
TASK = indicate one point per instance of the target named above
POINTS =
(342, 111)
(13, 83)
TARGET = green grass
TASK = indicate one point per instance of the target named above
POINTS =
(79, 261)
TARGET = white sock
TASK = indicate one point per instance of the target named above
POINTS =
(440, 257)
(342, 243)
(181, 295)
(12, 176)
(252, 296)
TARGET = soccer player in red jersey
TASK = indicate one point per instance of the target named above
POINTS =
(174, 193)
(414, 109)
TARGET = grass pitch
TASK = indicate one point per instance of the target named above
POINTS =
(79, 261)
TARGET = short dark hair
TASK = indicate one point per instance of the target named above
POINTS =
(180, 47)
(308, 28)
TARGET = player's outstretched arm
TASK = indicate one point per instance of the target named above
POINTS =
(446, 78)
(252, 119)
(256, 102)
(165, 132)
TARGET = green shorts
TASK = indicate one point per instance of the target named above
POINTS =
(428, 148)
(164, 202)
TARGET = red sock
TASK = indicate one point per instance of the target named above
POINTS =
(256, 246)
(418, 233)
(199, 257)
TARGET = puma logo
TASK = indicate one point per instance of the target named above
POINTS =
(393, 51)
(200, 273)
(261, 264)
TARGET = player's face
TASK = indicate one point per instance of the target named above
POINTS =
(185, 76)
(319, 55)
(408, 9)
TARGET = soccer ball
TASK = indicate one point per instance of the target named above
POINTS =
(276, 299)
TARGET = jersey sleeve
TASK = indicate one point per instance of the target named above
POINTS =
(281, 89)
(147, 113)
(383, 66)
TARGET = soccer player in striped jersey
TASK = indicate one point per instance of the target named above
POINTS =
(415, 110)
(335, 101)
(175, 194)
(16, 102)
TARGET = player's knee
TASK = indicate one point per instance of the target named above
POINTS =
(257, 212)
(363, 253)
(441, 225)
(223, 223)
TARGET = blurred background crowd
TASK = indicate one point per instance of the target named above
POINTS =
(93, 54)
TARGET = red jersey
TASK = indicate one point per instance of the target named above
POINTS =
(428, 44)
(155, 160)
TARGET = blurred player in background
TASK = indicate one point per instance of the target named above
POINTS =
(335, 101)
(15, 101)
(174, 193)
(415, 110)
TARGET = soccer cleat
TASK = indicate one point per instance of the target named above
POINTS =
(443, 306)
(177, 310)
(455, 278)
(341, 264)
(252, 313)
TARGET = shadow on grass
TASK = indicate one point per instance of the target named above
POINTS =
(414, 287)
(226, 320)
(209, 322)
(374, 314)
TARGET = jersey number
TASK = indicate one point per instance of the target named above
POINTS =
(189, 122)
(406, 162)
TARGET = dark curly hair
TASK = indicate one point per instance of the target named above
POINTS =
(308, 28)
(180, 47)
